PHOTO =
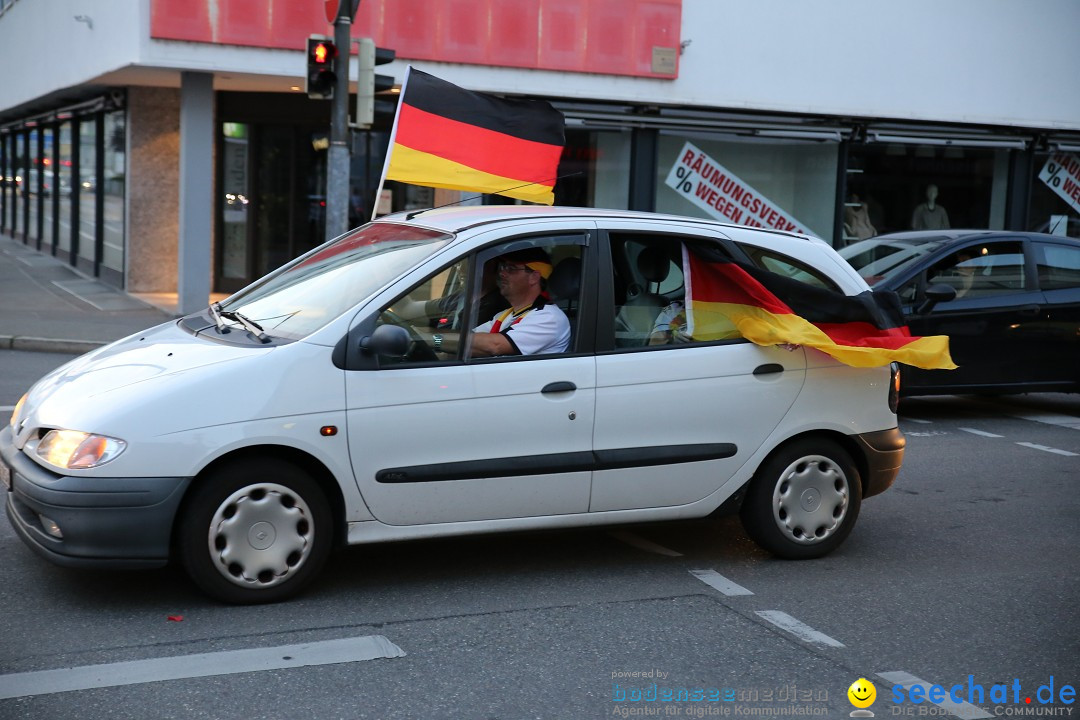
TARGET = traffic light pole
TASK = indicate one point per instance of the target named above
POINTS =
(337, 170)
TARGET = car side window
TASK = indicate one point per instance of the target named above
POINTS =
(650, 294)
(788, 267)
(995, 268)
(433, 313)
(1058, 266)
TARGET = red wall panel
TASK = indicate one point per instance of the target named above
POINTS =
(595, 36)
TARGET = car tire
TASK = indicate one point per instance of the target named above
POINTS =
(804, 499)
(255, 531)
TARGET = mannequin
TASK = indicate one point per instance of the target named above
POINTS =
(857, 219)
(929, 215)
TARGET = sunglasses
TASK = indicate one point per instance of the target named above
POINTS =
(511, 269)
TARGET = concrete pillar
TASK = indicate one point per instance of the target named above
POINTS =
(196, 190)
(152, 189)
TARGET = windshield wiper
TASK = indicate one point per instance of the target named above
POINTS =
(215, 314)
(250, 325)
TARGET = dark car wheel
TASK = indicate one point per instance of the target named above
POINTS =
(255, 531)
(803, 500)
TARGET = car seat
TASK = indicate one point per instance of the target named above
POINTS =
(635, 319)
(564, 286)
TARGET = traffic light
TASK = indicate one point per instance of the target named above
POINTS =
(367, 82)
(321, 67)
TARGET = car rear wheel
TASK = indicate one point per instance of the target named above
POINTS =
(255, 531)
(804, 499)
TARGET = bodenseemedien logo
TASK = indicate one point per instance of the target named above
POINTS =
(862, 694)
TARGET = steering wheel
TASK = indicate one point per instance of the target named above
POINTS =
(419, 350)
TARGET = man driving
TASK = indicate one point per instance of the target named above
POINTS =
(532, 324)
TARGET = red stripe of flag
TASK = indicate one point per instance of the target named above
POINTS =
(478, 148)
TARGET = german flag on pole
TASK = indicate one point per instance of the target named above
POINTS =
(448, 137)
(726, 298)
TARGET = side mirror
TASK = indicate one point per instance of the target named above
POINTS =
(389, 340)
(938, 292)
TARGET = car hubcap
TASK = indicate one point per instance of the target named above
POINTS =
(810, 500)
(261, 535)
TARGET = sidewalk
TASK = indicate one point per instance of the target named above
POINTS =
(45, 305)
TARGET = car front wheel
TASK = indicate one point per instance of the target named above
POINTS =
(804, 499)
(255, 531)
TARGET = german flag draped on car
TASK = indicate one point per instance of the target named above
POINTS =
(445, 136)
(726, 298)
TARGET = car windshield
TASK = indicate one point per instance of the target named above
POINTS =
(302, 296)
(881, 258)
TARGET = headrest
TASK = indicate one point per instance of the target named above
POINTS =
(653, 263)
(565, 280)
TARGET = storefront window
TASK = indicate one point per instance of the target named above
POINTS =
(896, 186)
(236, 201)
(34, 188)
(595, 170)
(759, 182)
(64, 241)
(115, 144)
(1055, 194)
(47, 166)
(87, 189)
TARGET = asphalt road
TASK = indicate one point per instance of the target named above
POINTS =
(965, 573)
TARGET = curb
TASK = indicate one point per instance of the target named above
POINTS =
(36, 344)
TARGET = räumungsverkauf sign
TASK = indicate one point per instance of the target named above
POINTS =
(1062, 173)
(716, 190)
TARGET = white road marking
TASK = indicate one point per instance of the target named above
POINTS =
(7, 408)
(327, 652)
(932, 433)
(1044, 448)
(642, 544)
(917, 420)
(799, 629)
(960, 709)
(1068, 421)
(973, 431)
(718, 582)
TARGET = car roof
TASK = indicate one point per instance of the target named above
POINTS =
(951, 236)
(457, 219)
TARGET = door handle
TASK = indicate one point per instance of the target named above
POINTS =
(1028, 310)
(768, 369)
(557, 387)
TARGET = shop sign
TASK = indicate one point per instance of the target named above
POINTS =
(1062, 173)
(716, 190)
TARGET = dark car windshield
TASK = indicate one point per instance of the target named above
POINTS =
(881, 258)
(304, 295)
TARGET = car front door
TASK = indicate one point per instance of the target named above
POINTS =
(438, 437)
(995, 325)
(1058, 270)
(675, 419)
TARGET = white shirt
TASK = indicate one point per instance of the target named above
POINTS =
(533, 331)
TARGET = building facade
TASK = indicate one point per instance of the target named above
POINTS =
(175, 150)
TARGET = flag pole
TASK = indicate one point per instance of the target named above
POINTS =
(390, 147)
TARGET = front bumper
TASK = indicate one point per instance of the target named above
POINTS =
(884, 453)
(105, 522)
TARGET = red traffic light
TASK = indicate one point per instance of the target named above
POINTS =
(323, 53)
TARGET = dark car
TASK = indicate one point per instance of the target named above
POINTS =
(1009, 302)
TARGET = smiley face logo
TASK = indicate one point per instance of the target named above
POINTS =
(862, 693)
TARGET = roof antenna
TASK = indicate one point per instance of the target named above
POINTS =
(414, 213)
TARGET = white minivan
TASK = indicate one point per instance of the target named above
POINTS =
(340, 400)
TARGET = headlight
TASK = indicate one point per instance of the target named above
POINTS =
(18, 408)
(74, 450)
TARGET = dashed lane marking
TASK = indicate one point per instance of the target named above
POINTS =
(642, 544)
(718, 582)
(973, 431)
(918, 420)
(799, 629)
(1044, 448)
(959, 709)
(327, 652)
